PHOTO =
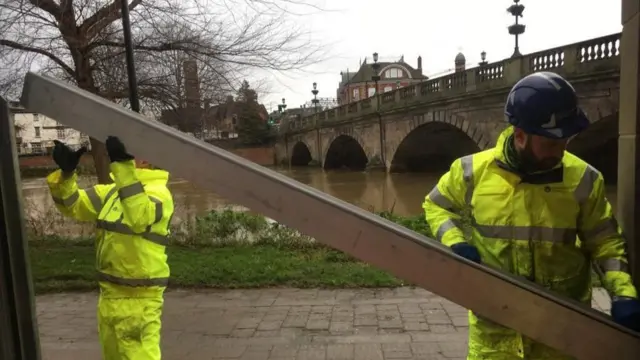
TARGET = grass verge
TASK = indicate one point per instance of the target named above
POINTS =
(70, 267)
(224, 249)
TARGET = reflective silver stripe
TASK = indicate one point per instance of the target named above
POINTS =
(446, 226)
(68, 201)
(467, 174)
(110, 194)
(585, 187)
(158, 208)
(121, 228)
(94, 198)
(612, 265)
(436, 196)
(605, 229)
(132, 282)
(130, 190)
(533, 233)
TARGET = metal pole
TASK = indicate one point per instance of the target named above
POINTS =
(131, 68)
(18, 331)
(629, 130)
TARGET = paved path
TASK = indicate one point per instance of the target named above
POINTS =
(277, 324)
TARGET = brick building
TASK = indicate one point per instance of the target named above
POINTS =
(359, 85)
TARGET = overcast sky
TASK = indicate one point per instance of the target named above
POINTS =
(437, 30)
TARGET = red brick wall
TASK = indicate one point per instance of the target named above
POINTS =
(261, 156)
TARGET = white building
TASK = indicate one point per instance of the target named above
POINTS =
(35, 132)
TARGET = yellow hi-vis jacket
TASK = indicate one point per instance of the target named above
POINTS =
(546, 227)
(132, 218)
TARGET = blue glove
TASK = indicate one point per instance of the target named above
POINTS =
(467, 251)
(626, 312)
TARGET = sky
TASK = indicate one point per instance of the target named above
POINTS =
(436, 30)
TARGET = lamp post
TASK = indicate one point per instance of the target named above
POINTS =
(315, 100)
(131, 69)
(376, 77)
(516, 29)
(376, 67)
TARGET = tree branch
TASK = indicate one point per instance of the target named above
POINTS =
(103, 17)
(48, 6)
(17, 46)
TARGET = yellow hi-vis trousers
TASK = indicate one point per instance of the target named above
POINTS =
(130, 328)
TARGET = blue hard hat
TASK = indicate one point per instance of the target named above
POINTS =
(545, 104)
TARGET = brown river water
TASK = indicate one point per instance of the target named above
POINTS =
(375, 191)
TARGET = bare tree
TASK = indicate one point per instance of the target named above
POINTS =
(81, 41)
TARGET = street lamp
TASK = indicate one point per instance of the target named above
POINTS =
(483, 56)
(376, 67)
(315, 100)
(516, 29)
(376, 77)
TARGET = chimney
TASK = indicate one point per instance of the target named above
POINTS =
(192, 122)
(420, 64)
(191, 83)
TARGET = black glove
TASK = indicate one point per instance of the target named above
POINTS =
(116, 150)
(467, 251)
(65, 158)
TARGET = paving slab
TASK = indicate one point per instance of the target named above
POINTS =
(278, 324)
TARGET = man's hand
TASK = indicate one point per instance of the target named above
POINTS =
(66, 159)
(116, 150)
(626, 312)
(467, 251)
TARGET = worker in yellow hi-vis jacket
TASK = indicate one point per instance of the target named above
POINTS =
(537, 212)
(132, 218)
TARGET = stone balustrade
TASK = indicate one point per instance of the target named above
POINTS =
(572, 61)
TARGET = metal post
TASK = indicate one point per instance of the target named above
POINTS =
(18, 326)
(629, 128)
(131, 68)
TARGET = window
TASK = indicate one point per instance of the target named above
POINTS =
(387, 88)
(37, 129)
(356, 94)
(393, 73)
(36, 147)
(36, 117)
(60, 133)
(372, 91)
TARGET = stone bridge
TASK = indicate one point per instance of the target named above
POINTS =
(434, 122)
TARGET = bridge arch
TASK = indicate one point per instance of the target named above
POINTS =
(345, 151)
(300, 154)
(598, 145)
(433, 146)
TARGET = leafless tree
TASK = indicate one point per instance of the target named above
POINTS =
(81, 41)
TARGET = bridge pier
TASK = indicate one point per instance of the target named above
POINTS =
(629, 131)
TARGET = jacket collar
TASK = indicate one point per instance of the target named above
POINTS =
(542, 177)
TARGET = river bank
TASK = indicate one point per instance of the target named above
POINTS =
(224, 249)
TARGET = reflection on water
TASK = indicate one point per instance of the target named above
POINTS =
(375, 191)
